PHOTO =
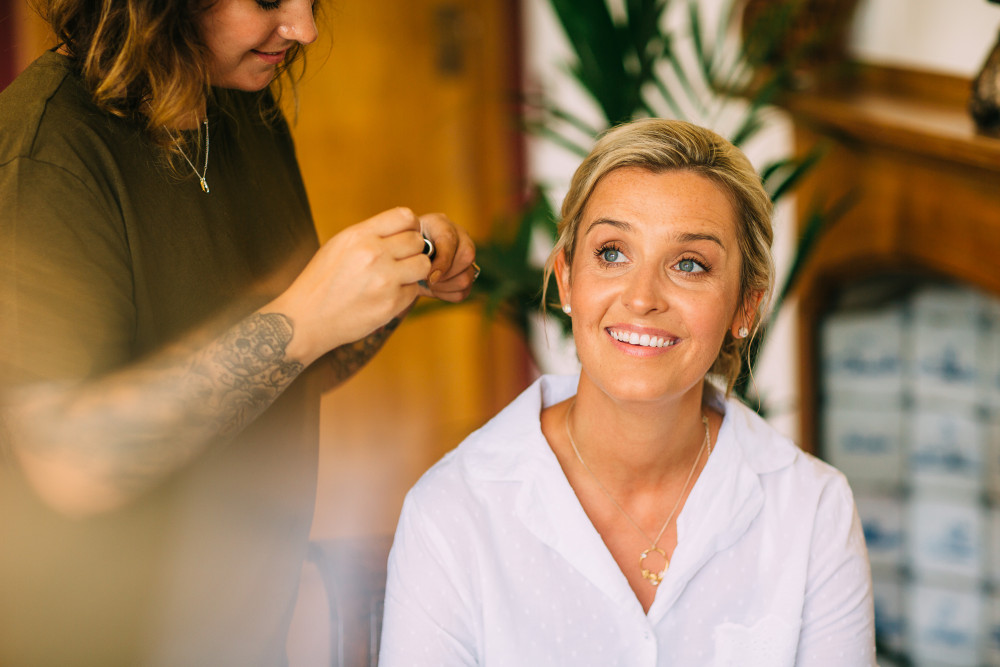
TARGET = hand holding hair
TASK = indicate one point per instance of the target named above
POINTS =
(358, 281)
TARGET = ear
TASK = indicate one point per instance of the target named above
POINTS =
(746, 314)
(561, 271)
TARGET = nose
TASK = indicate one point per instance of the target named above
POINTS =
(645, 291)
(298, 23)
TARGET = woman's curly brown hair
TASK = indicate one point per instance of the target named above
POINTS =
(142, 58)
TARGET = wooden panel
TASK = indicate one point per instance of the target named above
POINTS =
(8, 32)
(24, 37)
(411, 107)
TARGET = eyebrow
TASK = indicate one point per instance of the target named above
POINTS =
(686, 237)
(608, 221)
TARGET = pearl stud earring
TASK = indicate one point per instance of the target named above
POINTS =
(567, 309)
(743, 332)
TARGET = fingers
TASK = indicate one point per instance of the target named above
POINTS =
(444, 235)
(393, 221)
(411, 270)
(450, 274)
(358, 280)
(405, 244)
(454, 249)
(454, 289)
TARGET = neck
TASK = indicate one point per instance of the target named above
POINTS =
(637, 444)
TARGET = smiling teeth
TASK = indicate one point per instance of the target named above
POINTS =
(643, 340)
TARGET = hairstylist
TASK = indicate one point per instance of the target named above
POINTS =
(167, 324)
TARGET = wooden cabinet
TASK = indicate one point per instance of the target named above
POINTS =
(927, 189)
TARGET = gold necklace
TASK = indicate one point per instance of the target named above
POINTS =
(204, 171)
(654, 578)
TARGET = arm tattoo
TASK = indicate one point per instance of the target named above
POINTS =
(133, 427)
(347, 360)
(247, 370)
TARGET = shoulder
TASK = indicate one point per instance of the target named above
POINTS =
(803, 499)
(54, 137)
(29, 95)
(510, 448)
(776, 458)
(47, 115)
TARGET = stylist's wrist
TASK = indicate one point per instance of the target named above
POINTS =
(305, 346)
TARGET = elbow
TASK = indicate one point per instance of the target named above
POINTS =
(70, 489)
(58, 462)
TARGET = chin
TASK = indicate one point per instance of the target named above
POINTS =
(649, 391)
(256, 86)
(249, 83)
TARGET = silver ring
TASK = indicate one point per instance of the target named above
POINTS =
(428, 248)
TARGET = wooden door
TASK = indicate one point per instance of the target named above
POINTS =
(409, 103)
(405, 103)
(23, 37)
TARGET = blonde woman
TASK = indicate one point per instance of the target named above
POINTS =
(162, 295)
(635, 515)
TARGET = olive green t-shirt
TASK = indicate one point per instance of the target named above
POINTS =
(106, 256)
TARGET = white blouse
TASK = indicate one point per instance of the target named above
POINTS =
(495, 562)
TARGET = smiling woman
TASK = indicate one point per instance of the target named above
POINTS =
(642, 148)
(659, 259)
(247, 44)
(149, 58)
(635, 515)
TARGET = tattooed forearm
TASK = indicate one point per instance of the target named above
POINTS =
(131, 428)
(245, 371)
(347, 360)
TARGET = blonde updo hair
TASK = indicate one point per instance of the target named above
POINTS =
(659, 145)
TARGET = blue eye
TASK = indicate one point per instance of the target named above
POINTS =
(690, 266)
(611, 255)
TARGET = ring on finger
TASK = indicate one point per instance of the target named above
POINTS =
(428, 248)
(475, 271)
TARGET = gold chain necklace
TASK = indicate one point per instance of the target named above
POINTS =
(654, 578)
(204, 171)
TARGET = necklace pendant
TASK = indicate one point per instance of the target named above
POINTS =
(654, 578)
(204, 184)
